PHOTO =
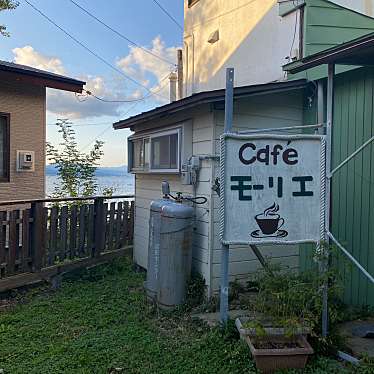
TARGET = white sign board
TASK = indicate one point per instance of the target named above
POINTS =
(271, 188)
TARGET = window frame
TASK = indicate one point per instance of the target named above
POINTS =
(148, 137)
(6, 162)
(191, 3)
(159, 135)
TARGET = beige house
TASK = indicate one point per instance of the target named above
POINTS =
(163, 142)
(23, 128)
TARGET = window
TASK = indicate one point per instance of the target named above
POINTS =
(164, 152)
(4, 147)
(138, 154)
(159, 152)
(192, 2)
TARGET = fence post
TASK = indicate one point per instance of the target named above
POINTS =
(99, 227)
(132, 222)
(37, 236)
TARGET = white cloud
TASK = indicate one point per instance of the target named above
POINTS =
(28, 56)
(150, 70)
(138, 64)
(66, 104)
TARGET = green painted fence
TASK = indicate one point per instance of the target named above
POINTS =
(353, 186)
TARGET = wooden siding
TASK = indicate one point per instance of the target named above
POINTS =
(326, 25)
(26, 106)
(258, 112)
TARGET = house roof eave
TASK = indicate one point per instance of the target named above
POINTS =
(357, 52)
(208, 97)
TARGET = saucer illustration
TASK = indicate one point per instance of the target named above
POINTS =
(279, 234)
(269, 223)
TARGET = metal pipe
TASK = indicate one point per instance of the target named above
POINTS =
(360, 267)
(254, 131)
(229, 108)
(320, 103)
(325, 260)
(358, 150)
(348, 358)
(180, 73)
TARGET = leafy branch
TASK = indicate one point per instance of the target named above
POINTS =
(75, 169)
(7, 5)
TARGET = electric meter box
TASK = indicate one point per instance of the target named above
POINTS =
(25, 160)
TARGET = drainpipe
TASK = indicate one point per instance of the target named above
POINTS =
(173, 87)
(180, 73)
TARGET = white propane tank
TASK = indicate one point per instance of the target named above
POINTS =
(175, 254)
(153, 267)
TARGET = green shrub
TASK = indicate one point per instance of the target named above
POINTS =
(294, 300)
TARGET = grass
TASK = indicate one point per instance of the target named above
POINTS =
(99, 322)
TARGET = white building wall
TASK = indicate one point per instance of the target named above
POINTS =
(253, 39)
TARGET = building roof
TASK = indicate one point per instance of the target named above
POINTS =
(207, 98)
(359, 52)
(41, 77)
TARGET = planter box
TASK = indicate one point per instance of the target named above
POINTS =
(270, 331)
(269, 360)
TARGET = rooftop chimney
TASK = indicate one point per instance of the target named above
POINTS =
(173, 86)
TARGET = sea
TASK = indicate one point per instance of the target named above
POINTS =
(122, 184)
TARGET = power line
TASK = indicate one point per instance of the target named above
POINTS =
(110, 126)
(107, 128)
(160, 87)
(168, 14)
(81, 124)
(89, 50)
(121, 35)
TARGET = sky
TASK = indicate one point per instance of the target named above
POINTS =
(36, 42)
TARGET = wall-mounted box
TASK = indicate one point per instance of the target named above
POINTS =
(25, 160)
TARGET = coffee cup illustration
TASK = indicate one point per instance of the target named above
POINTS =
(270, 223)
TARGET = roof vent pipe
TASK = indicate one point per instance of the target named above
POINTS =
(173, 87)
(180, 73)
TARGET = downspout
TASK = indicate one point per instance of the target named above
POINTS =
(211, 211)
(189, 69)
(185, 68)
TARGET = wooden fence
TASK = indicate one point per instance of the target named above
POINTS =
(44, 238)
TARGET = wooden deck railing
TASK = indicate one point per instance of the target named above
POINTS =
(42, 238)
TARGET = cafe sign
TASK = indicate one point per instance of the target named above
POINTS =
(272, 188)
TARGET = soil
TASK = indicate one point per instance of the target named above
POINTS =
(268, 344)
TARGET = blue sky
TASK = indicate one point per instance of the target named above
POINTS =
(35, 41)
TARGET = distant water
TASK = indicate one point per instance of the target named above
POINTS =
(123, 185)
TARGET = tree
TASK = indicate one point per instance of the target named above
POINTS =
(6, 5)
(75, 169)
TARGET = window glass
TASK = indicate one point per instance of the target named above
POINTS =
(146, 153)
(161, 152)
(174, 151)
(138, 154)
(4, 146)
(164, 151)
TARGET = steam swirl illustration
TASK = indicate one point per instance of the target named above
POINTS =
(272, 210)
